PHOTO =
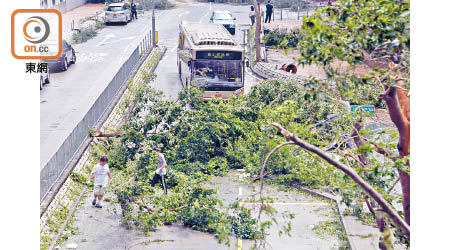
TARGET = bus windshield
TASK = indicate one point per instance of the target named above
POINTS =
(217, 71)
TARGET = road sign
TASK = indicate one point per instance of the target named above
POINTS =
(366, 108)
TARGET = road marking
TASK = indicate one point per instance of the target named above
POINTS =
(106, 38)
(91, 57)
(240, 191)
(120, 60)
(121, 39)
(126, 48)
(183, 13)
(201, 20)
(288, 203)
(143, 29)
(173, 49)
(210, 6)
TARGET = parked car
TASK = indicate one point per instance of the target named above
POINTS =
(44, 79)
(118, 12)
(67, 57)
(225, 18)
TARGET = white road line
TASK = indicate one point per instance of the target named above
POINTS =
(143, 29)
(106, 38)
(121, 39)
(201, 20)
(210, 6)
(120, 60)
(240, 191)
(183, 13)
(288, 203)
(100, 43)
(91, 57)
(126, 47)
(173, 49)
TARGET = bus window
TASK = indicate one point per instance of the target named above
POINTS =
(219, 71)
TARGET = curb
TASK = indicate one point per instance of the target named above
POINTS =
(340, 209)
(75, 159)
(270, 71)
(90, 139)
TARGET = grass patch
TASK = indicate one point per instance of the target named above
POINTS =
(85, 34)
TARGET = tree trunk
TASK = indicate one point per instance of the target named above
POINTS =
(257, 31)
(398, 103)
(385, 241)
(400, 117)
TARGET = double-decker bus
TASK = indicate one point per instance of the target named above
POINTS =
(209, 57)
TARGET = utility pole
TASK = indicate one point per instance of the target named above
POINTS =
(257, 30)
(153, 24)
(273, 11)
(281, 12)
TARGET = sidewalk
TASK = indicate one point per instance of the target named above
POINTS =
(361, 236)
(85, 11)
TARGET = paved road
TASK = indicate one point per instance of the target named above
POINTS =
(68, 97)
(167, 80)
(70, 94)
(101, 228)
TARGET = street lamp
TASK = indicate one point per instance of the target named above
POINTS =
(153, 24)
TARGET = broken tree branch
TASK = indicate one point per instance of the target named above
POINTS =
(352, 174)
(107, 135)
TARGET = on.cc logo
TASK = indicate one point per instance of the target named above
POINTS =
(36, 29)
(36, 34)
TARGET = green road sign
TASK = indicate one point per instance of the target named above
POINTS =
(366, 108)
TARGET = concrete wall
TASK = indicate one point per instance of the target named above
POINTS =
(62, 5)
(72, 4)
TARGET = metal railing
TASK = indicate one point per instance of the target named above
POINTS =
(52, 170)
(146, 43)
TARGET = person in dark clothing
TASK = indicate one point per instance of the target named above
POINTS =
(252, 14)
(133, 10)
(269, 9)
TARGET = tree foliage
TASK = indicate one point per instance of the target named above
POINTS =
(215, 137)
(374, 33)
(209, 140)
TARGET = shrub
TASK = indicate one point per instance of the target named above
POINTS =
(146, 5)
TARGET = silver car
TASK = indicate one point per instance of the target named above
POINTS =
(117, 12)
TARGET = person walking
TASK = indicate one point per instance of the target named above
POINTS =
(252, 14)
(160, 171)
(101, 174)
(133, 10)
(269, 9)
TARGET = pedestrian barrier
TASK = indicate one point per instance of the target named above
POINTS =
(145, 44)
(272, 71)
(295, 11)
(52, 170)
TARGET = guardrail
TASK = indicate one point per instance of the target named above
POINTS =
(146, 43)
(52, 170)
